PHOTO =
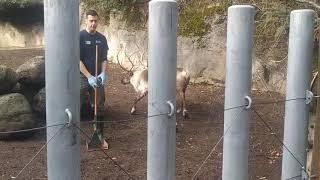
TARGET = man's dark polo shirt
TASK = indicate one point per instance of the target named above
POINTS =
(88, 44)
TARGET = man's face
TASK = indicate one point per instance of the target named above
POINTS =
(92, 23)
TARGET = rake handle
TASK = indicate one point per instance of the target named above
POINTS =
(95, 89)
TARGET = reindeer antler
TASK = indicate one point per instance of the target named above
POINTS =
(129, 59)
(123, 68)
(141, 53)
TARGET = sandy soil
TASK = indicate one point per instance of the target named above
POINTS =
(128, 135)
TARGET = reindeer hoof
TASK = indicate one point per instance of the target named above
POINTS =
(133, 110)
(178, 111)
(104, 144)
(185, 114)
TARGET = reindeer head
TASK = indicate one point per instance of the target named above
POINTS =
(126, 80)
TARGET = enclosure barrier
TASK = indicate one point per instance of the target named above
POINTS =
(63, 103)
(61, 27)
(298, 80)
(237, 92)
(162, 89)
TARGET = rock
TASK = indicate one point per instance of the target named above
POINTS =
(15, 114)
(39, 100)
(32, 72)
(29, 92)
(8, 79)
(17, 88)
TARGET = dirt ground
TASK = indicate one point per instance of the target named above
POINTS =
(127, 135)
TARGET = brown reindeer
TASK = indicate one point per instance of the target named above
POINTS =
(139, 80)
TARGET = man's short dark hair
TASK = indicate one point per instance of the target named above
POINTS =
(91, 12)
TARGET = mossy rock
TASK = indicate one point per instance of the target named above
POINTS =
(15, 114)
(8, 79)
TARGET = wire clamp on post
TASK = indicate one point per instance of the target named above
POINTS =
(248, 102)
(172, 109)
(69, 114)
(309, 96)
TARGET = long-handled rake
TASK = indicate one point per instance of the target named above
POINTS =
(96, 141)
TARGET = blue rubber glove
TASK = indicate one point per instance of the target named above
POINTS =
(102, 78)
(92, 81)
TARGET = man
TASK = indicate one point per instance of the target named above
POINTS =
(89, 38)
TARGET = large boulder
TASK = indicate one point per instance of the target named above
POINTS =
(8, 79)
(32, 72)
(17, 88)
(15, 114)
(29, 92)
(39, 100)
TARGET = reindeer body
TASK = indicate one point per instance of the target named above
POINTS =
(139, 81)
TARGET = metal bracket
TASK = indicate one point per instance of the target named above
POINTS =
(248, 102)
(69, 114)
(309, 96)
(172, 109)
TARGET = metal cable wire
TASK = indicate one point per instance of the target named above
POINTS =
(156, 115)
(236, 107)
(294, 177)
(270, 129)
(120, 121)
(215, 146)
(31, 129)
(34, 157)
(115, 121)
(115, 162)
(279, 101)
(274, 141)
(258, 103)
(193, 112)
(279, 140)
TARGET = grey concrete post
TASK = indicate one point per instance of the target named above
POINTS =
(162, 88)
(61, 26)
(238, 85)
(298, 80)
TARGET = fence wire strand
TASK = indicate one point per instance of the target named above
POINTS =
(145, 116)
(31, 129)
(35, 156)
(106, 154)
(279, 101)
(294, 177)
(265, 124)
(136, 118)
(215, 146)
(279, 140)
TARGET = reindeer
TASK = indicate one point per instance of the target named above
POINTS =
(139, 80)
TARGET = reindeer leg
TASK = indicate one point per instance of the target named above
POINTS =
(179, 109)
(136, 100)
(185, 111)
